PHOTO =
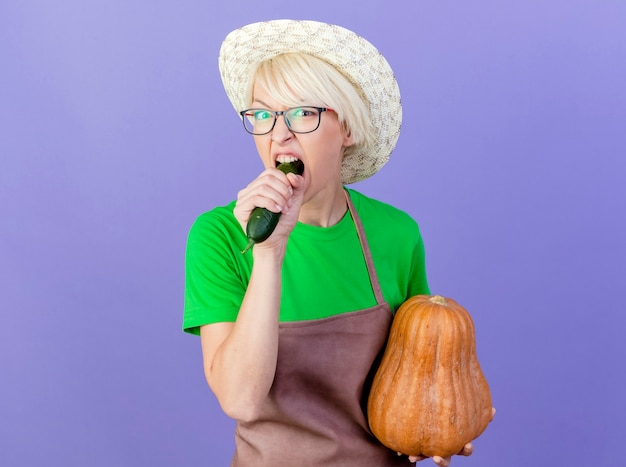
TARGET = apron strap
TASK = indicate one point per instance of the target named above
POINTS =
(366, 251)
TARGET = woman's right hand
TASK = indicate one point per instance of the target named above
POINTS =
(277, 192)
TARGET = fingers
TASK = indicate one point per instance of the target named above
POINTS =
(296, 181)
(467, 450)
(271, 190)
(442, 461)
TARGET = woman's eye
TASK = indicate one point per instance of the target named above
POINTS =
(300, 112)
(262, 115)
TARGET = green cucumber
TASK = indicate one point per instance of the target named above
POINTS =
(262, 221)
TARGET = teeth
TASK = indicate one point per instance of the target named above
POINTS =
(283, 158)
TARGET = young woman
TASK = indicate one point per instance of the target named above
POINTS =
(291, 330)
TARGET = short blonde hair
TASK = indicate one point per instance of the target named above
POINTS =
(302, 79)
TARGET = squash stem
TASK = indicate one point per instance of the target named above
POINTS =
(438, 299)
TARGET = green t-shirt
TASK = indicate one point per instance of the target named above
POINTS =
(324, 271)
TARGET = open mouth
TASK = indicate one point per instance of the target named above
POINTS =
(297, 164)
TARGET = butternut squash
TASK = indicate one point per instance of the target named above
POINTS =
(429, 395)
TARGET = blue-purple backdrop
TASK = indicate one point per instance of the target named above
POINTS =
(115, 133)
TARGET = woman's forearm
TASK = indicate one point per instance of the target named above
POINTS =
(241, 369)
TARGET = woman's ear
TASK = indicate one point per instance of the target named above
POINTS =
(348, 140)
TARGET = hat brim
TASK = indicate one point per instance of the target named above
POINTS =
(360, 62)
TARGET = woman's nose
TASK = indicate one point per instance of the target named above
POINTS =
(281, 131)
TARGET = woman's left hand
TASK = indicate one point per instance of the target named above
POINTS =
(445, 461)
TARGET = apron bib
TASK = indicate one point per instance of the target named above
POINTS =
(314, 414)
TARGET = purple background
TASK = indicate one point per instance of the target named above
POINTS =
(115, 133)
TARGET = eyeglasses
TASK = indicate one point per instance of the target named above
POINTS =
(298, 119)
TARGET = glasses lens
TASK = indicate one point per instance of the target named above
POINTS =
(258, 121)
(303, 119)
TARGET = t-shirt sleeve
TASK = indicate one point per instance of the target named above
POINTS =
(418, 281)
(215, 272)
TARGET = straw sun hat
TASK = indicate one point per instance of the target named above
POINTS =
(360, 62)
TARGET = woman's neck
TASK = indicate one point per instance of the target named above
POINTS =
(326, 209)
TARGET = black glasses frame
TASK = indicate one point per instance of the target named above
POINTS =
(276, 113)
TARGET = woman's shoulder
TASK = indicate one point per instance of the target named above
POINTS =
(373, 209)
